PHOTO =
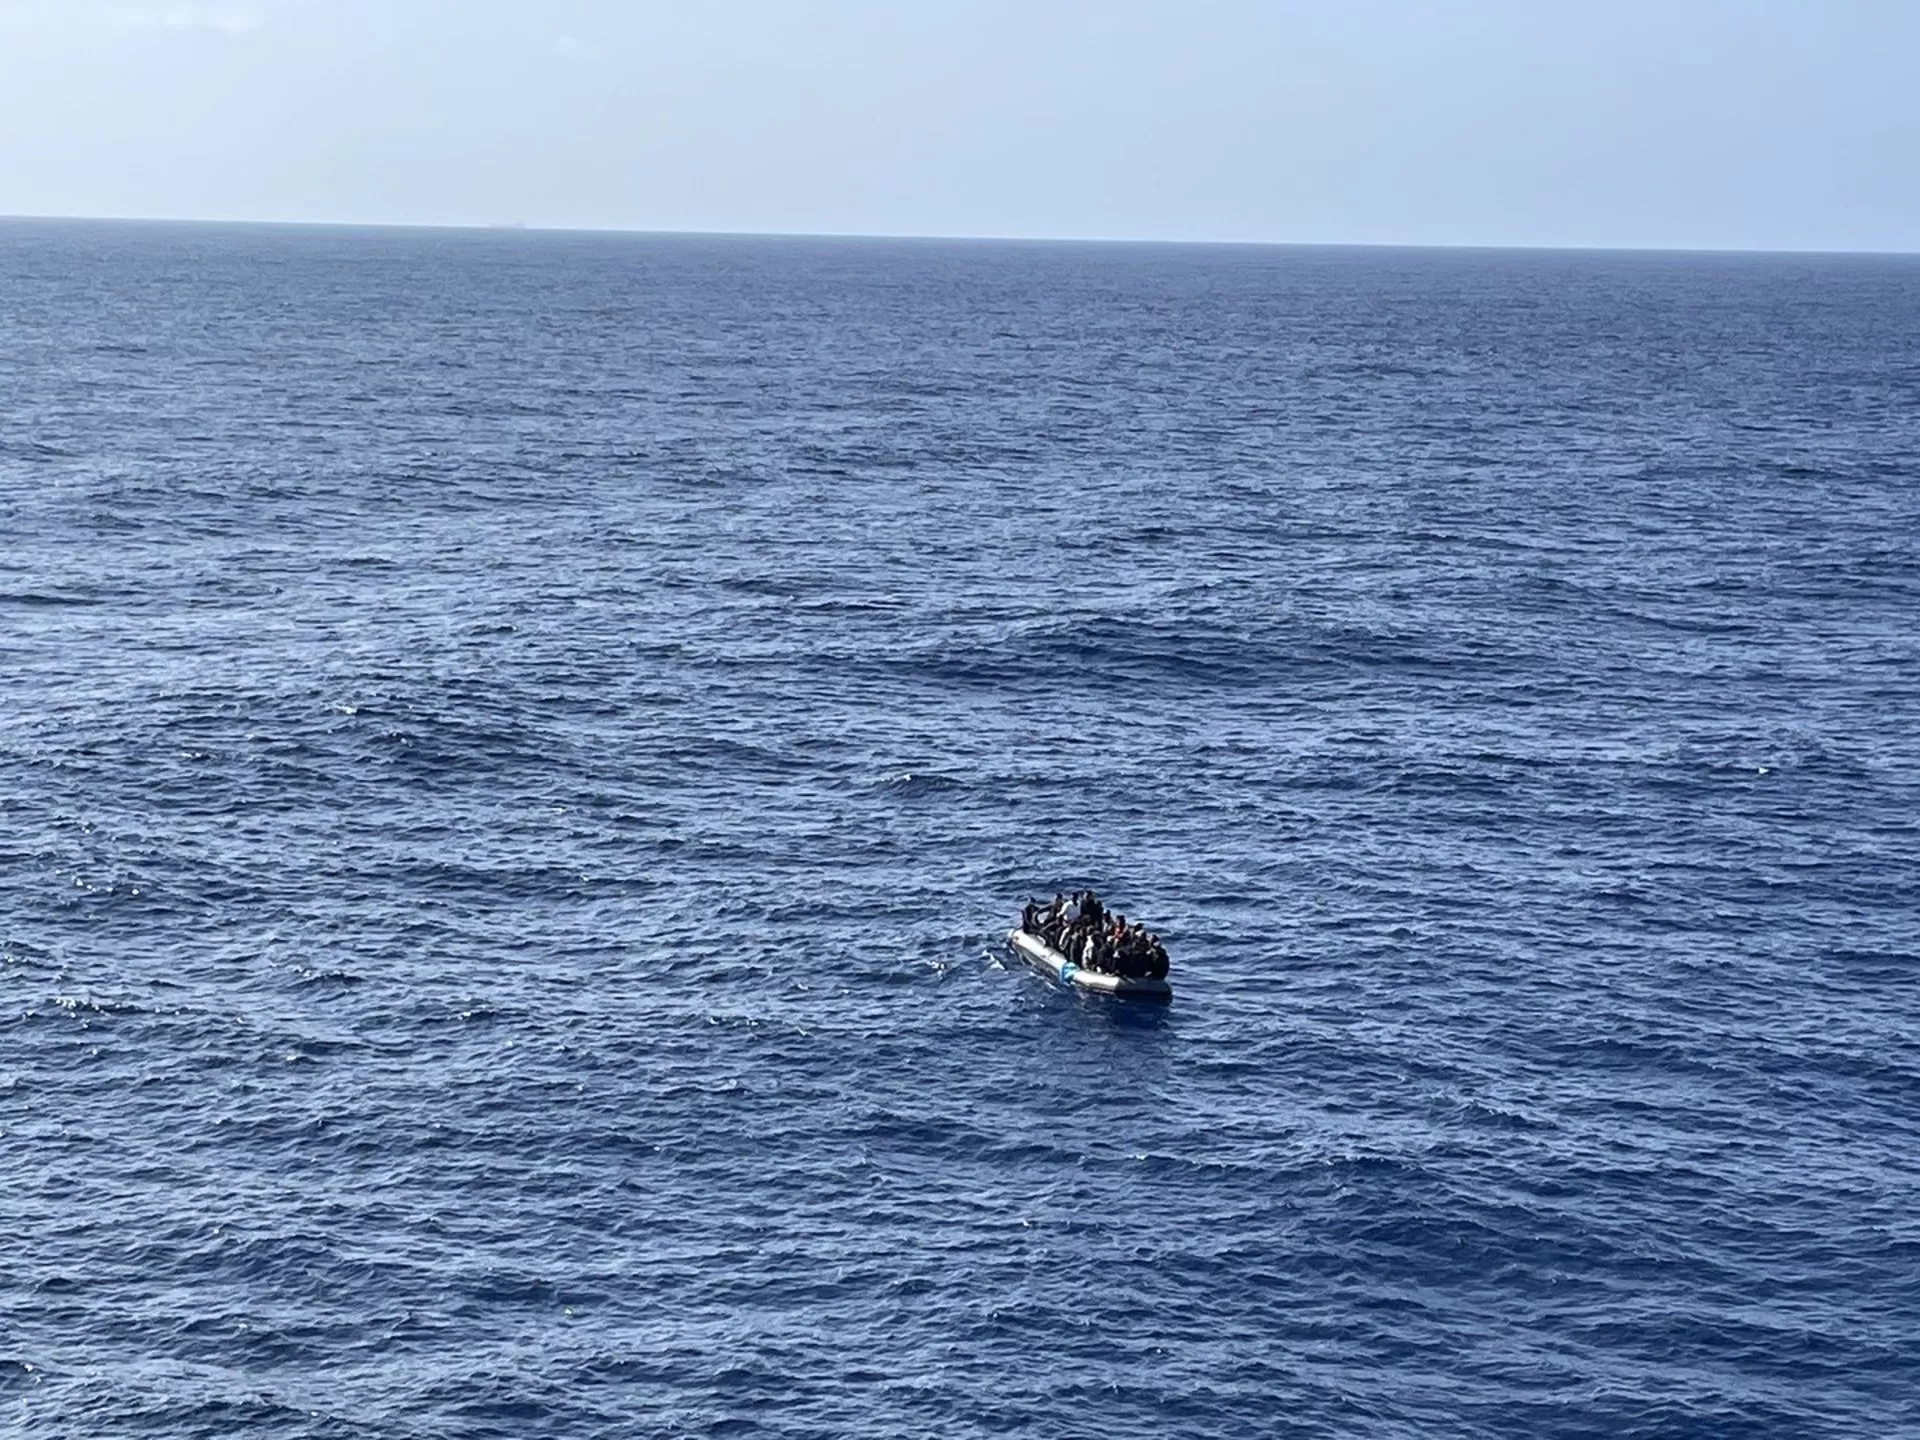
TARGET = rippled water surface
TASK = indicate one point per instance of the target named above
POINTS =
(518, 752)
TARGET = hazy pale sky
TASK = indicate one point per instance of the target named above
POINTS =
(1721, 123)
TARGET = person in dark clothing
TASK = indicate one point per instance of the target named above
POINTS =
(1053, 921)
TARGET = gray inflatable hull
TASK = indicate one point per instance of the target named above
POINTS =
(1049, 961)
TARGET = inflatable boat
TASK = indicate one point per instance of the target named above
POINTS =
(1049, 961)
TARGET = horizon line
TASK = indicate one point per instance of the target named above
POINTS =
(529, 228)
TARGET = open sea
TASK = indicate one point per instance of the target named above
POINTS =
(518, 753)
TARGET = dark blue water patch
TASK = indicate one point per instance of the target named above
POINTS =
(515, 786)
(34, 599)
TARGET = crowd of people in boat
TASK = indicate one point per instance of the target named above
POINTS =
(1087, 933)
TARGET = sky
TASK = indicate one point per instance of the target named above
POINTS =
(1718, 124)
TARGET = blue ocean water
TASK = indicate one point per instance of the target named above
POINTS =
(518, 752)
